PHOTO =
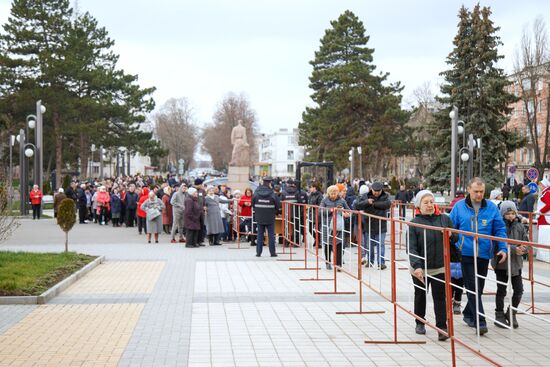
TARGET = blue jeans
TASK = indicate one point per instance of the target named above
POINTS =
(225, 234)
(468, 274)
(369, 243)
(270, 238)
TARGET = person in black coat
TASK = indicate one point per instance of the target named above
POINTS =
(295, 214)
(266, 206)
(82, 202)
(403, 197)
(527, 204)
(376, 202)
(131, 198)
(315, 198)
(427, 260)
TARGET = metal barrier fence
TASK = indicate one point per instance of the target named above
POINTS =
(347, 240)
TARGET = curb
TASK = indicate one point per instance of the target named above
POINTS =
(53, 291)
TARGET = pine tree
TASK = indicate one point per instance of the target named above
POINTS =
(353, 106)
(67, 61)
(476, 86)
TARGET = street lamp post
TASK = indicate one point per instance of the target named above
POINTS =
(360, 151)
(24, 151)
(10, 173)
(92, 150)
(39, 157)
(351, 163)
(101, 162)
(454, 126)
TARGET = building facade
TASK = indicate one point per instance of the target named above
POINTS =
(279, 152)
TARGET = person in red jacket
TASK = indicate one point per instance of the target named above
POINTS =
(245, 204)
(142, 222)
(36, 200)
(103, 205)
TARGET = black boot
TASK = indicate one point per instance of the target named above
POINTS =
(513, 320)
(501, 321)
(210, 239)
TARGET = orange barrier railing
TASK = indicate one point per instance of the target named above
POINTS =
(323, 225)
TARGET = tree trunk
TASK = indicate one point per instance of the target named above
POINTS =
(67, 241)
(83, 156)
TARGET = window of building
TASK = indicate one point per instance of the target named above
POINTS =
(539, 84)
(290, 168)
(290, 155)
(292, 140)
(526, 84)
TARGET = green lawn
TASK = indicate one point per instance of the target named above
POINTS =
(30, 274)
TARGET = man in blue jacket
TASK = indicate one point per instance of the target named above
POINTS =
(475, 214)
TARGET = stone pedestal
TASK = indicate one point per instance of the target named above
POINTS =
(238, 178)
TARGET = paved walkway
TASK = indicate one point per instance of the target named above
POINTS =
(165, 305)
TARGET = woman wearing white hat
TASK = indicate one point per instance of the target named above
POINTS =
(427, 263)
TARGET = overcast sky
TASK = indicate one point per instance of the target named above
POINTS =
(204, 49)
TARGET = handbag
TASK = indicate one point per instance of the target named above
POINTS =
(152, 213)
(339, 221)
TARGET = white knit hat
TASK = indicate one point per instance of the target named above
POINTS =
(420, 195)
(191, 191)
(363, 189)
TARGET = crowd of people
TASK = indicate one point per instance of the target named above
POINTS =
(190, 212)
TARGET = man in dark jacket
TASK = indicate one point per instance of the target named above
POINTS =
(266, 206)
(295, 214)
(70, 191)
(376, 202)
(81, 203)
(528, 202)
(131, 198)
(314, 199)
(403, 197)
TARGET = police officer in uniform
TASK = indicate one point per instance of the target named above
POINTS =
(266, 206)
(296, 215)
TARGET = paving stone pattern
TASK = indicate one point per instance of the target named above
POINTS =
(165, 305)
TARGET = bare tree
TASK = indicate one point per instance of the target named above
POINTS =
(8, 223)
(420, 122)
(217, 136)
(531, 71)
(176, 131)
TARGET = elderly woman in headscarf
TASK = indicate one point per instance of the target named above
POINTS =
(214, 223)
(427, 263)
(153, 207)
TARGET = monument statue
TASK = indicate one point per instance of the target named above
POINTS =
(240, 155)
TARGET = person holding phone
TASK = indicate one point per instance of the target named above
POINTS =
(426, 258)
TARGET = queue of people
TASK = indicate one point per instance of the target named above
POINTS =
(192, 213)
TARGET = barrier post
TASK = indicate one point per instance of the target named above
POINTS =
(236, 226)
(449, 291)
(305, 243)
(316, 251)
(359, 275)
(285, 230)
(334, 256)
(293, 232)
(394, 297)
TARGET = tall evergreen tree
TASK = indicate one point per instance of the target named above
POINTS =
(476, 86)
(68, 63)
(353, 106)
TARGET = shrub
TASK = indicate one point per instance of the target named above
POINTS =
(66, 218)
